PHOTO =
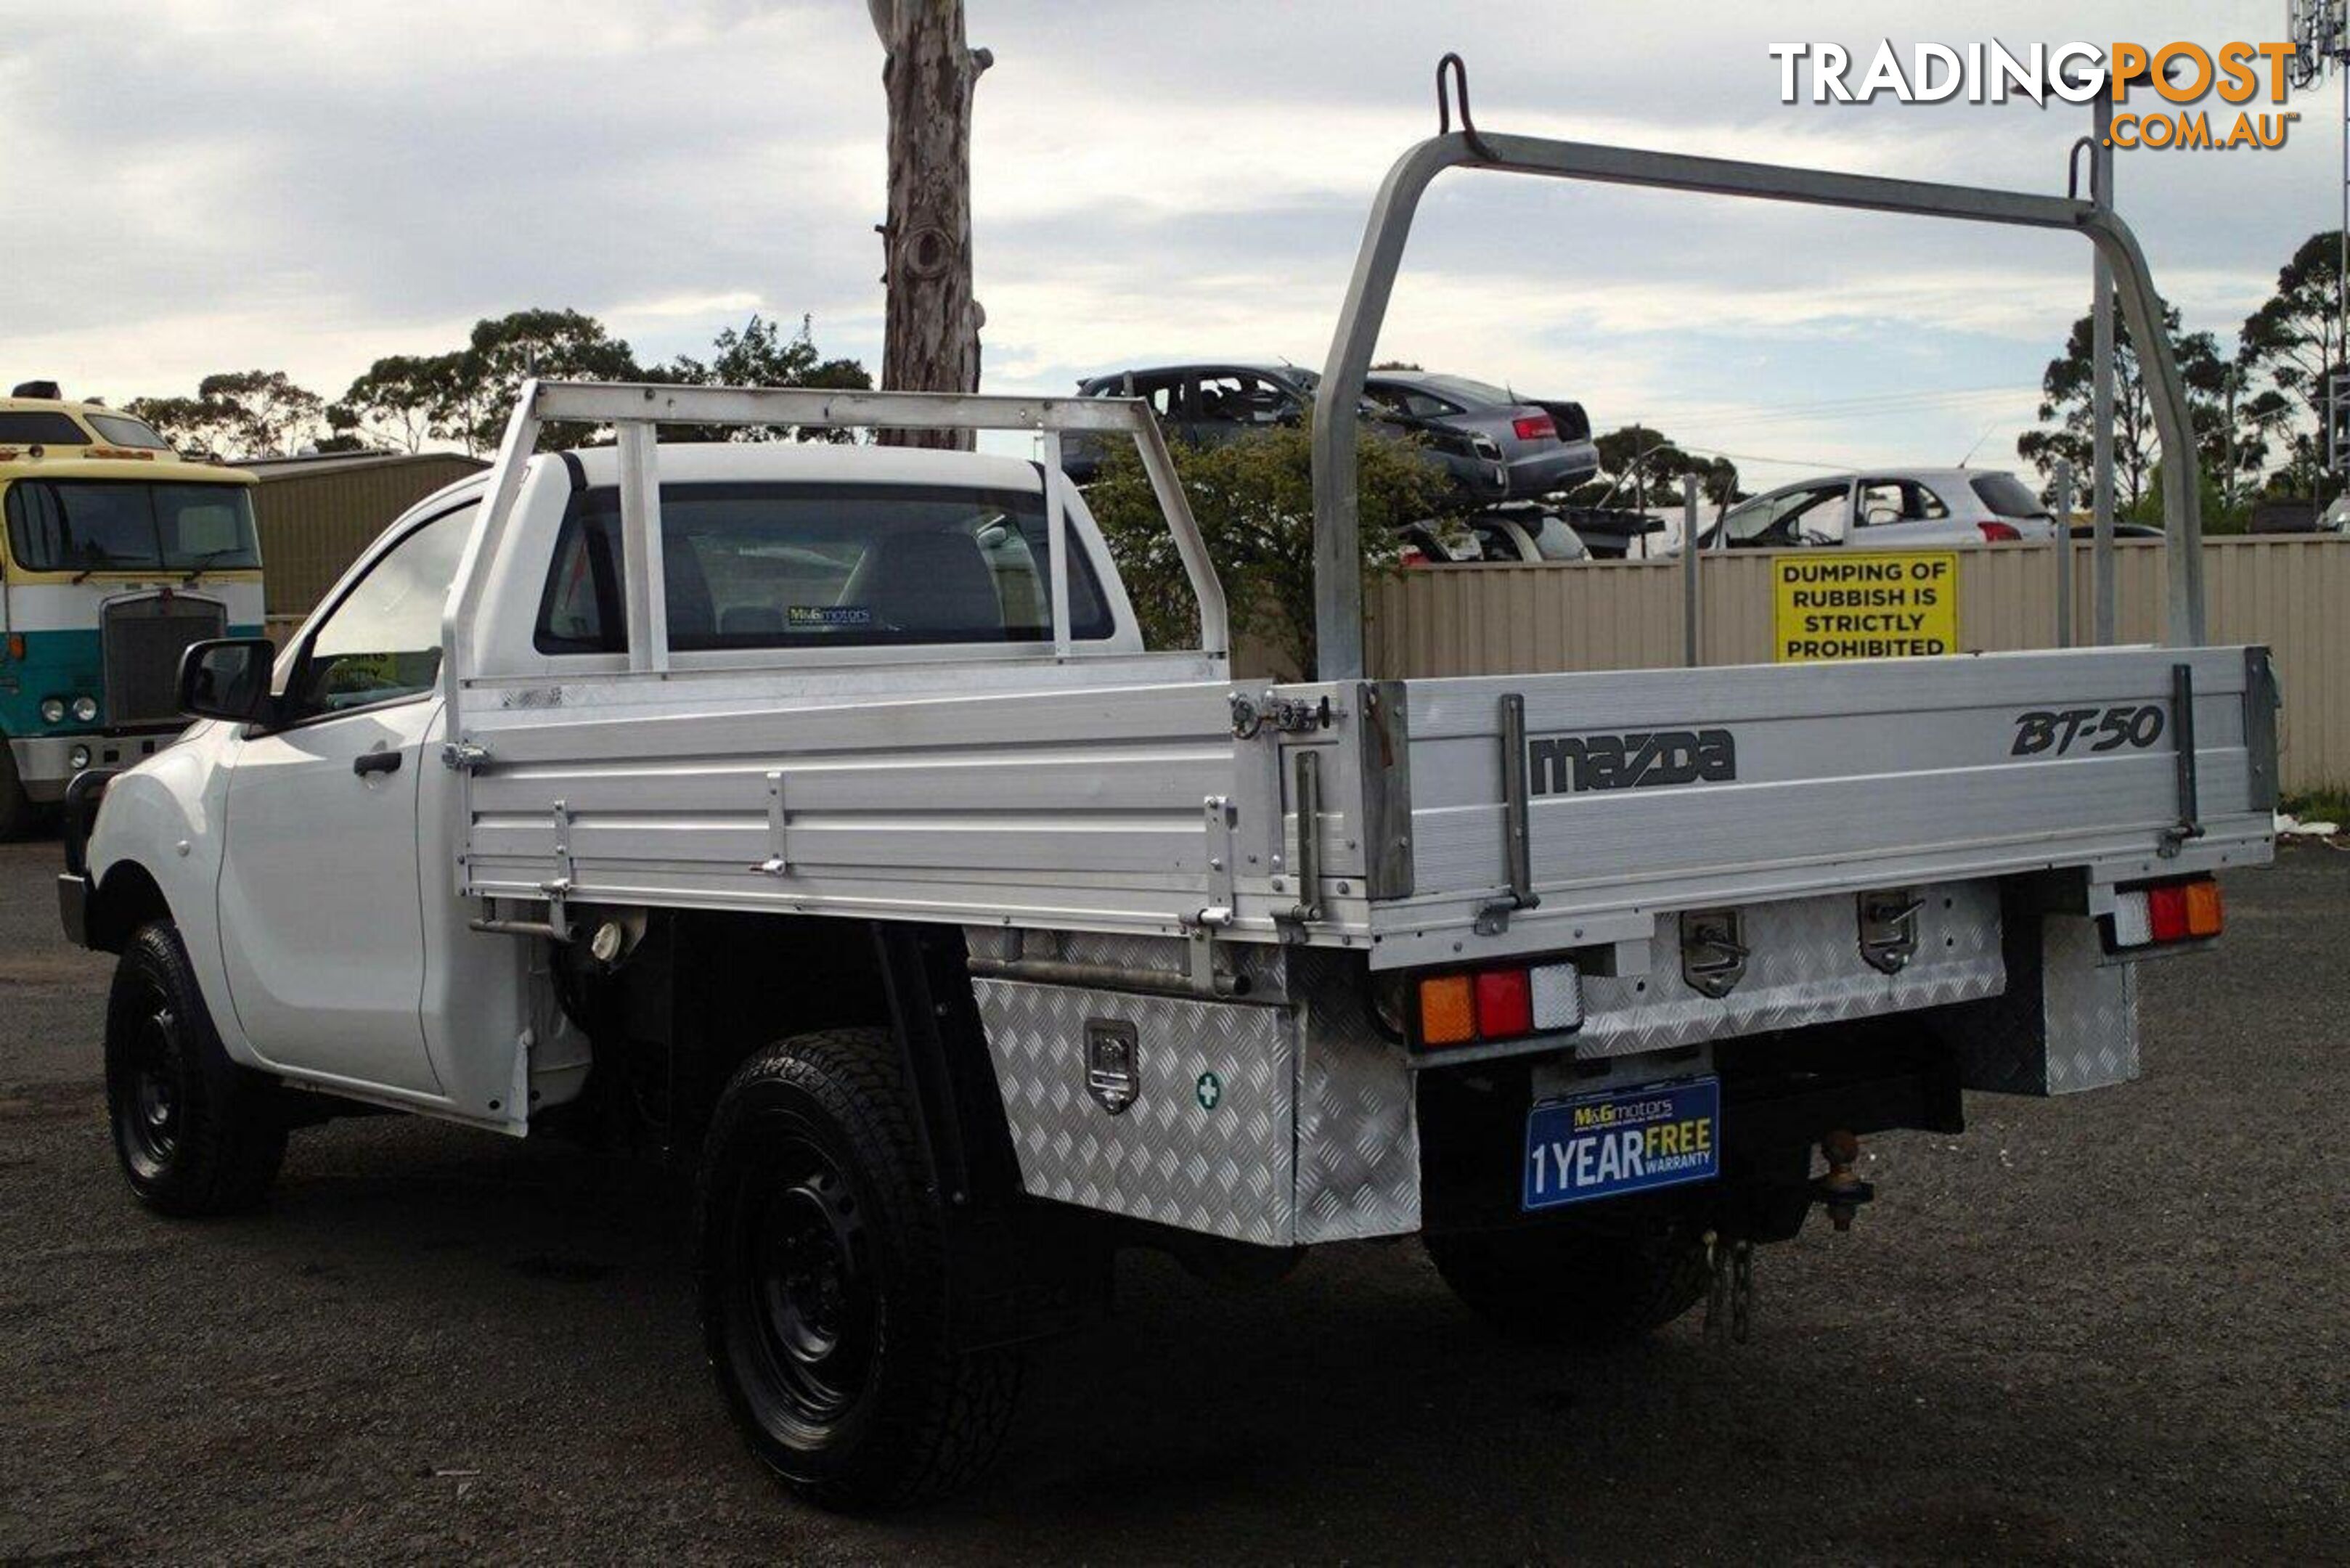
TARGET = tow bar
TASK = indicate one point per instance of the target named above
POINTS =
(1730, 1259)
(1840, 1193)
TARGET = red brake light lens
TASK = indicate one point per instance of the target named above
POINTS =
(2167, 912)
(1506, 1004)
(1998, 533)
(1535, 427)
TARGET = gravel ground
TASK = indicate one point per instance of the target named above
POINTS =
(2106, 1328)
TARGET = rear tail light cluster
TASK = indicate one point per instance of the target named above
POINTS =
(1480, 1007)
(1998, 533)
(1536, 427)
(2153, 914)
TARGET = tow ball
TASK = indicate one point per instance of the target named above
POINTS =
(1840, 1193)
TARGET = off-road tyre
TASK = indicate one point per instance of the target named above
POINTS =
(824, 1276)
(196, 1134)
(1556, 1284)
(19, 816)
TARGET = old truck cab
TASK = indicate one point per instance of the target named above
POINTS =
(117, 554)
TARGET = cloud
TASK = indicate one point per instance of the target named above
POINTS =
(195, 185)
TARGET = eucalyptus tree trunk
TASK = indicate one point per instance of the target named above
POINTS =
(930, 338)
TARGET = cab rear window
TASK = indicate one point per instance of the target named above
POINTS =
(772, 566)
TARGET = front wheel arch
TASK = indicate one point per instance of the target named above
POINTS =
(128, 897)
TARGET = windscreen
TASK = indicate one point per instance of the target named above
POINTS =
(103, 525)
(124, 430)
(1785, 517)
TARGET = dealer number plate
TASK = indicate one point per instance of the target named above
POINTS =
(1628, 1140)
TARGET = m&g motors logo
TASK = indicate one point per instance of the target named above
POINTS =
(2168, 78)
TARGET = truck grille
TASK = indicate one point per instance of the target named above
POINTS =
(144, 640)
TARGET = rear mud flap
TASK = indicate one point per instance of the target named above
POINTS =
(2068, 1021)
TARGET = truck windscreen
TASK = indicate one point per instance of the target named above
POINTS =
(99, 525)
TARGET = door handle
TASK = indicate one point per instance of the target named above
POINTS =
(375, 763)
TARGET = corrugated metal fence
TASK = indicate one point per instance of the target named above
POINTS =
(314, 524)
(2291, 593)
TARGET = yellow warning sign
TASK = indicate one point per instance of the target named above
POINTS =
(1888, 604)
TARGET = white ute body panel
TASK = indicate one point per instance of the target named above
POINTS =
(1020, 787)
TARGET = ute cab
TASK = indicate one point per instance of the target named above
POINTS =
(116, 553)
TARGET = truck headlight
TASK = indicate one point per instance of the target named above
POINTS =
(53, 710)
(85, 710)
(78, 758)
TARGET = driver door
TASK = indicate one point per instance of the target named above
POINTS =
(321, 913)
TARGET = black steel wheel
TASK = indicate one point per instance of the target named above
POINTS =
(810, 1319)
(823, 1282)
(196, 1134)
(147, 1112)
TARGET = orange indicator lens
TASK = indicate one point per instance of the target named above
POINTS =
(1445, 1015)
(2204, 915)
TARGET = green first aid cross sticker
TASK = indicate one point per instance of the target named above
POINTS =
(1208, 1091)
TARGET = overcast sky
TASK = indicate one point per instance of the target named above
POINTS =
(192, 185)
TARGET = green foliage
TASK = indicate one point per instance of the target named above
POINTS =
(2320, 803)
(1642, 466)
(554, 344)
(1254, 500)
(466, 395)
(2066, 391)
(761, 355)
(237, 414)
(402, 402)
(2259, 414)
(2292, 342)
(188, 424)
(2221, 512)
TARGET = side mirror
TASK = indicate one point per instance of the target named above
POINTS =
(228, 678)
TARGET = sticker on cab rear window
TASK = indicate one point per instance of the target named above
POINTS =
(804, 617)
